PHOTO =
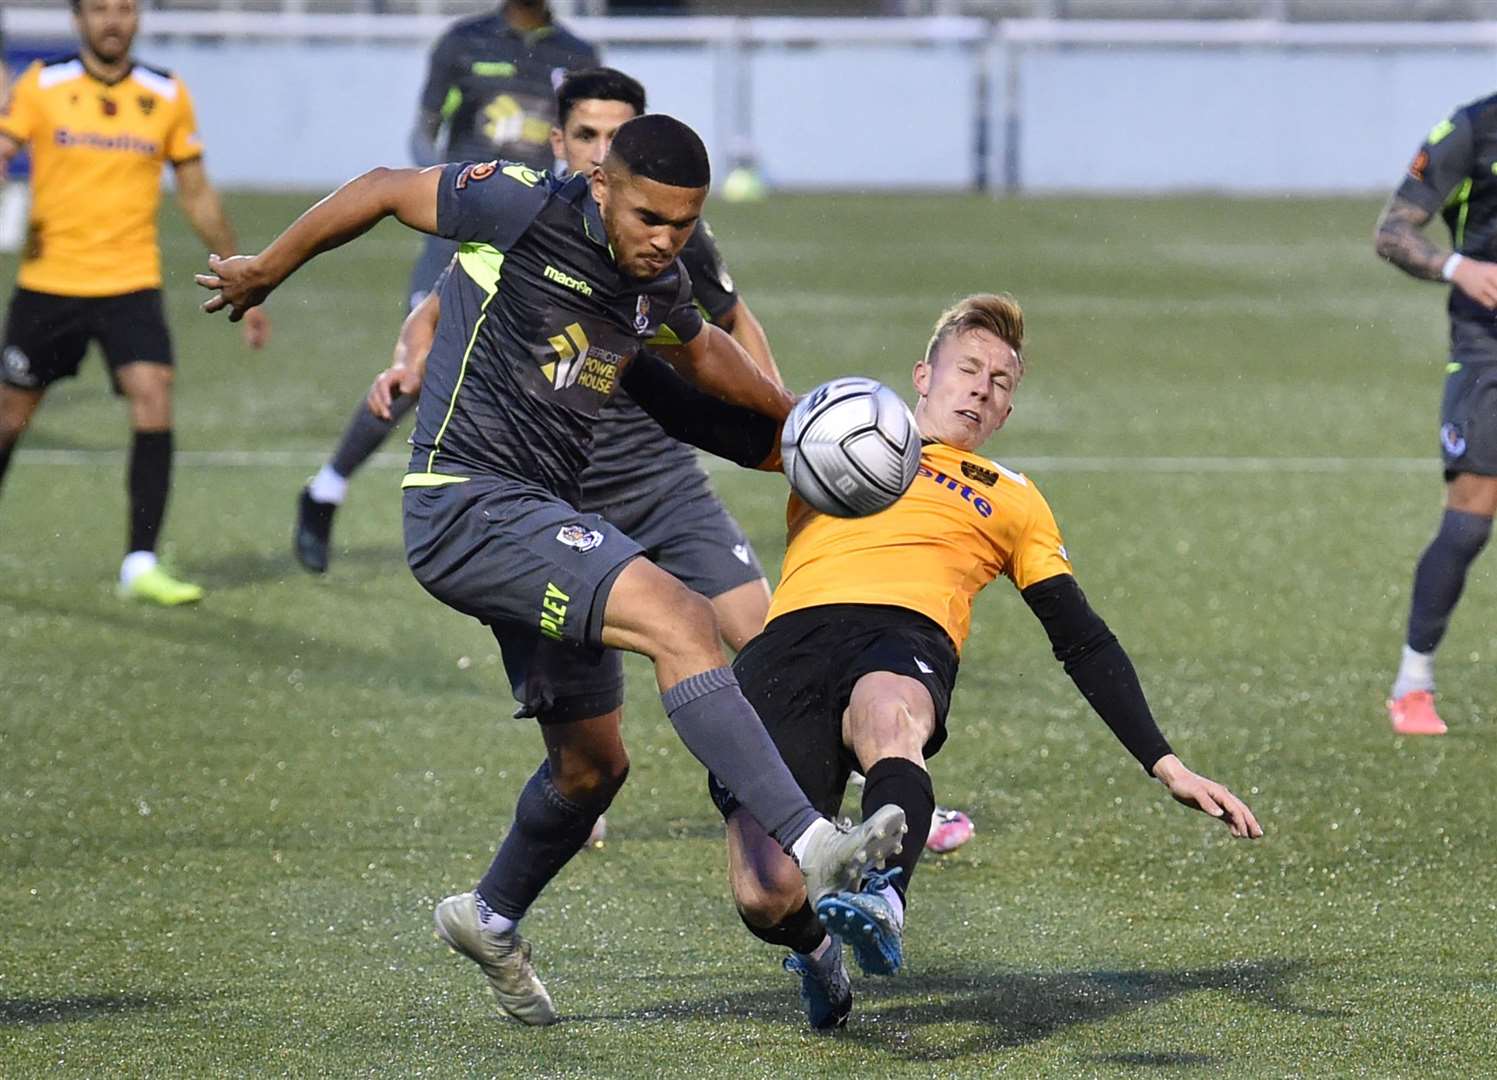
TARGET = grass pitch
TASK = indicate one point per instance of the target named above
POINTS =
(222, 829)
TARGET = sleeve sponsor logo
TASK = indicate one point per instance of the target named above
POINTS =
(476, 173)
(1419, 164)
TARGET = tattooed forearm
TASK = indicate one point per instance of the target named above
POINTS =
(1401, 240)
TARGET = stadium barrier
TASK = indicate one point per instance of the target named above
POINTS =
(942, 103)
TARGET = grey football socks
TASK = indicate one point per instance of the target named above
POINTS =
(548, 830)
(723, 732)
(366, 433)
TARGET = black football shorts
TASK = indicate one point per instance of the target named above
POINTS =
(799, 675)
(46, 335)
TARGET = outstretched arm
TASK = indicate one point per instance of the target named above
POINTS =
(244, 281)
(1102, 671)
(719, 365)
(695, 417)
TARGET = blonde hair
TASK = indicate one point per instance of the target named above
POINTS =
(997, 313)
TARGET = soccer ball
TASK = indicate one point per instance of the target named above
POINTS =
(850, 447)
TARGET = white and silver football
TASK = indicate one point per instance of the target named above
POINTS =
(850, 447)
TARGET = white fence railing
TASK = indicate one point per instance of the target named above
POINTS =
(952, 102)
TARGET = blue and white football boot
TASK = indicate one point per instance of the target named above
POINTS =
(825, 989)
(866, 921)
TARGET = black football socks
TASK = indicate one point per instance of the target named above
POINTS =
(1441, 575)
(149, 481)
(902, 783)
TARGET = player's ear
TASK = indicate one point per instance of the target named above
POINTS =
(558, 144)
(600, 187)
(921, 377)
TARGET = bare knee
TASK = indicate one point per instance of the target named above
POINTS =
(650, 612)
(888, 716)
(149, 389)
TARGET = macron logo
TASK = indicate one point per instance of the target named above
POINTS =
(561, 278)
(924, 667)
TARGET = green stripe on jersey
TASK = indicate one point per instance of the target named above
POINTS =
(482, 263)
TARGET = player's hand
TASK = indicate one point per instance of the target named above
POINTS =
(395, 381)
(1478, 280)
(238, 285)
(256, 328)
(1206, 795)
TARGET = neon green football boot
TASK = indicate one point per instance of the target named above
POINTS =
(156, 586)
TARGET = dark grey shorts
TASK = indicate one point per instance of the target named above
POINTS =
(535, 570)
(1468, 420)
(686, 531)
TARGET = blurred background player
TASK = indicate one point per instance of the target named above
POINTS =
(12, 195)
(100, 127)
(639, 478)
(858, 662)
(1450, 175)
(490, 92)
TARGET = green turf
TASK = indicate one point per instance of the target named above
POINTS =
(222, 830)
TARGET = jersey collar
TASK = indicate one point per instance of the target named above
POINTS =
(592, 222)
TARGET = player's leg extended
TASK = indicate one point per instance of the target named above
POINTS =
(319, 500)
(148, 388)
(889, 720)
(650, 612)
(771, 898)
(17, 406)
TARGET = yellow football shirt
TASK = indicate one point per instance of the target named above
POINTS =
(97, 151)
(964, 521)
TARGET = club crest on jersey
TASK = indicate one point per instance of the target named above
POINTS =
(579, 537)
(979, 474)
(642, 314)
(1452, 440)
(147, 103)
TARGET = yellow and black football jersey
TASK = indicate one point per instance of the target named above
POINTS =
(97, 151)
(964, 521)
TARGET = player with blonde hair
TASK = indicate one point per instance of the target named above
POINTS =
(857, 663)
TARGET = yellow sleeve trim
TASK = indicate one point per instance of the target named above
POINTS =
(430, 480)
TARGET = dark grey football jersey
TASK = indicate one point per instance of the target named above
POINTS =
(631, 454)
(537, 324)
(1454, 174)
(495, 87)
